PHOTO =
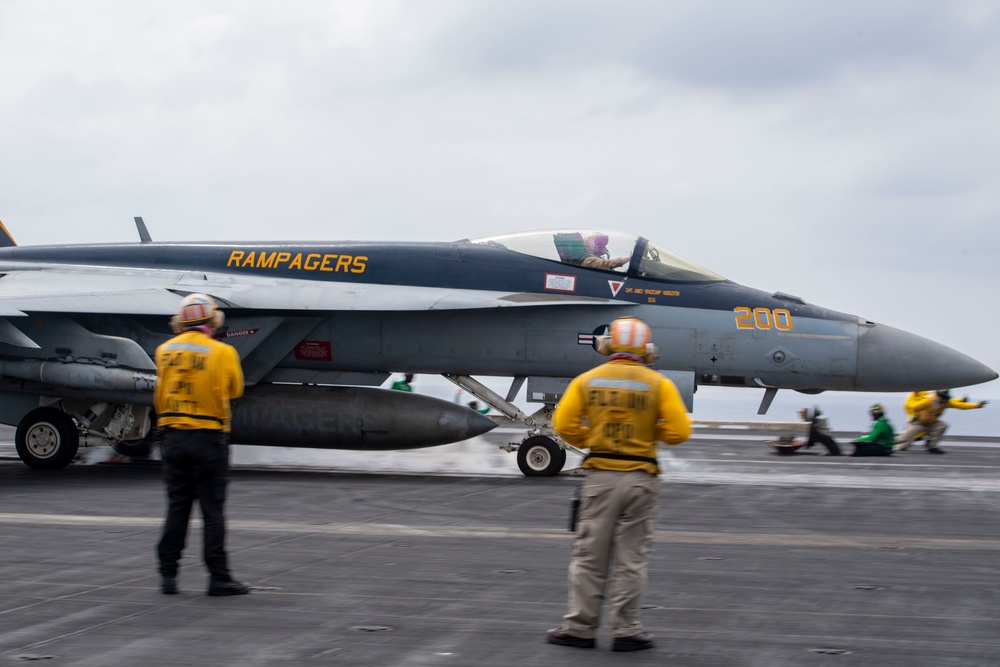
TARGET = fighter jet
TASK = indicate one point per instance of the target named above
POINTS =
(320, 326)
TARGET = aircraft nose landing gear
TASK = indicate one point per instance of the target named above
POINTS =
(540, 456)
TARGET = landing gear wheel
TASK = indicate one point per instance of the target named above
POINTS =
(47, 439)
(140, 449)
(540, 456)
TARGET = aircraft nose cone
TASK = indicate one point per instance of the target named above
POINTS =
(895, 360)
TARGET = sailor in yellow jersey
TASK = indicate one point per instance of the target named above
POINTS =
(628, 408)
(197, 376)
(924, 410)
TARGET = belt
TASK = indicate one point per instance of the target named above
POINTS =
(621, 457)
(171, 429)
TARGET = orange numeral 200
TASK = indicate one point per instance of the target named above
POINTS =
(763, 318)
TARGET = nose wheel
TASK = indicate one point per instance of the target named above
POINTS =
(540, 456)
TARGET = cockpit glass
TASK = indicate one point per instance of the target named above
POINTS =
(610, 251)
(658, 263)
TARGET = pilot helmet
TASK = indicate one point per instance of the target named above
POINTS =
(597, 244)
(877, 411)
(629, 334)
(943, 394)
(197, 310)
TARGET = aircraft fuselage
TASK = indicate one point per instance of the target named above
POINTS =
(79, 326)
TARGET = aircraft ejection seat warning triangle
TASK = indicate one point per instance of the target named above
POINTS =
(615, 286)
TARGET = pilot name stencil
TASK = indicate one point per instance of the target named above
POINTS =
(651, 292)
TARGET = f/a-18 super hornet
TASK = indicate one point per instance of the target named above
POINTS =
(320, 326)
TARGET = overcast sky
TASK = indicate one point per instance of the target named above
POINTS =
(845, 152)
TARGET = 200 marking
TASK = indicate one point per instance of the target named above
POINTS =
(763, 318)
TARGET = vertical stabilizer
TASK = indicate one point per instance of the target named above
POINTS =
(6, 240)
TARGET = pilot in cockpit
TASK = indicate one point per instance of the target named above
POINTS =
(599, 257)
(592, 252)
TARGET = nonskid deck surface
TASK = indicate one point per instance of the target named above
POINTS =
(758, 560)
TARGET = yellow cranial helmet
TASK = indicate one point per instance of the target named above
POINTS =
(629, 334)
(197, 310)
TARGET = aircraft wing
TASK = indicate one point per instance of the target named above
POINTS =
(86, 290)
(101, 290)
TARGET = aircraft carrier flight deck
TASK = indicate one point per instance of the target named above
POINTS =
(759, 560)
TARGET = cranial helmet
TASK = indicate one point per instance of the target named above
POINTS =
(597, 244)
(629, 334)
(877, 410)
(197, 310)
(943, 394)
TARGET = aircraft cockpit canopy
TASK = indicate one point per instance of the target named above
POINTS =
(610, 251)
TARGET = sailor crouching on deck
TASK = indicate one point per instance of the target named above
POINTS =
(924, 410)
(629, 407)
(197, 376)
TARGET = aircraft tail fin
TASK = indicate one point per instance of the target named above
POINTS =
(6, 240)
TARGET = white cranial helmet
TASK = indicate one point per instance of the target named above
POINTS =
(197, 310)
(629, 334)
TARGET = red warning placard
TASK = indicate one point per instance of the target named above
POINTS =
(314, 350)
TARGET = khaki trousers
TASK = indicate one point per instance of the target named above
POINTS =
(934, 433)
(614, 532)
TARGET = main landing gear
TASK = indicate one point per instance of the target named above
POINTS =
(47, 439)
